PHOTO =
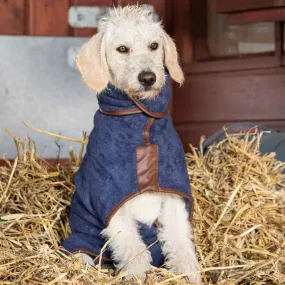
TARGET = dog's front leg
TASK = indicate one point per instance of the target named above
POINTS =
(176, 236)
(128, 250)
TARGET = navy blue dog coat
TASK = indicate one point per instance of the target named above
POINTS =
(133, 148)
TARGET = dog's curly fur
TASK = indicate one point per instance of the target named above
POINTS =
(99, 63)
(134, 28)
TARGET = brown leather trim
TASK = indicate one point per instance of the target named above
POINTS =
(151, 114)
(146, 130)
(157, 224)
(164, 190)
(107, 260)
(147, 168)
(121, 112)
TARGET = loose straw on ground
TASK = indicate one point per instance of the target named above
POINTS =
(239, 218)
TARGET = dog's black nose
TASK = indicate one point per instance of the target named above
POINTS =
(147, 78)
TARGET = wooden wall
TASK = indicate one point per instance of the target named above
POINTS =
(217, 91)
(220, 91)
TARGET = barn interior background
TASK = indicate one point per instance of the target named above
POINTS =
(232, 53)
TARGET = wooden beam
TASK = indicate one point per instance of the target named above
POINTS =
(264, 15)
(240, 96)
(279, 41)
(12, 17)
(182, 29)
(229, 6)
(48, 18)
(230, 64)
(199, 29)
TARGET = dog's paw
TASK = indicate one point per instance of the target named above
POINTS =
(194, 278)
(136, 275)
(138, 268)
(192, 268)
(86, 259)
(189, 266)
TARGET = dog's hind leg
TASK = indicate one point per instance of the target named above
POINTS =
(128, 250)
(175, 235)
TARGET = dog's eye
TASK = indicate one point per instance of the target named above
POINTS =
(123, 49)
(154, 46)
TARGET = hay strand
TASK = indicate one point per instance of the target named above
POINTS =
(84, 141)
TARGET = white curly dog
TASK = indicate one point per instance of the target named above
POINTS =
(130, 42)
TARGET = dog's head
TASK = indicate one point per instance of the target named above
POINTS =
(131, 51)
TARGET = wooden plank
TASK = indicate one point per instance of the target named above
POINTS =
(229, 64)
(12, 17)
(227, 97)
(264, 15)
(191, 133)
(84, 32)
(182, 30)
(48, 18)
(198, 29)
(226, 6)
(99, 3)
(279, 41)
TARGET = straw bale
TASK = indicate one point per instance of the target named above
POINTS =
(239, 218)
(239, 214)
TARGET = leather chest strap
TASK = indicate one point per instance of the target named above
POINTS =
(155, 115)
(125, 112)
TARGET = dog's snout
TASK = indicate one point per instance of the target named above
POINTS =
(147, 78)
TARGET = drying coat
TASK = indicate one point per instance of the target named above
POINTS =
(133, 148)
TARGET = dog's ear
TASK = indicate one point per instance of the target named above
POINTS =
(92, 63)
(171, 59)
